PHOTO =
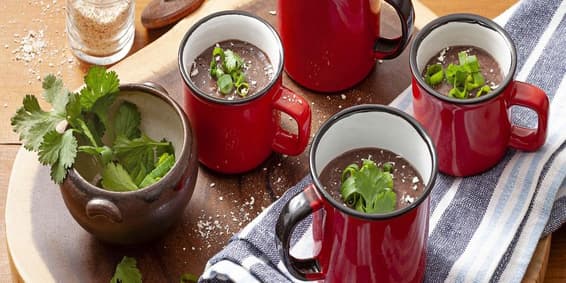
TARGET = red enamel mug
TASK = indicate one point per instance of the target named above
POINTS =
(355, 246)
(332, 45)
(237, 135)
(472, 135)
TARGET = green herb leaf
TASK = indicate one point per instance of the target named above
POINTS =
(101, 109)
(366, 188)
(188, 278)
(483, 90)
(55, 93)
(127, 272)
(73, 108)
(228, 71)
(434, 74)
(165, 162)
(59, 151)
(216, 62)
(136, 152)
(104, 153)
(99, 83)
(232, 62)
(32, 123)
(127, 121)
(116, 178)
(225, 84)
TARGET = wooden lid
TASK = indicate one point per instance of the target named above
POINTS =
(160, 13)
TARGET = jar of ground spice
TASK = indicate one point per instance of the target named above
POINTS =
(100, 32)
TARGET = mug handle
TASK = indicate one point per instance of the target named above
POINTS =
(532, 97)
(298, 108)
(387, 48)
(298, 208)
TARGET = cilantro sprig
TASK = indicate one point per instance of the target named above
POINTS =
(465, 77)
(368, 189)
(226, 67)
(127, 272)
(77, 123)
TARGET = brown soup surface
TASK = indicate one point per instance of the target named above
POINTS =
(449, 55)
(407, 182)
(257, 69)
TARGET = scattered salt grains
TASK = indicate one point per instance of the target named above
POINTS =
(408, 199)
(415, 187)
(380, 61)
(273, 12)
(442, 55)
(194, 71)
(343, 96)
(212, 185)
(415, 179)
(220, 198)
(30, 46)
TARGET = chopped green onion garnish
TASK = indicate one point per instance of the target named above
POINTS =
(227, 68)
(434, 74)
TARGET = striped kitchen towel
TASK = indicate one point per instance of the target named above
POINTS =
(482, 228)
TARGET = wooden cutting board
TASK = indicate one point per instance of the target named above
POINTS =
(47, 245)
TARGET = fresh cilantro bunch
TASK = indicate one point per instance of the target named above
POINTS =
(368, 189)
(465, 78)
(78, 121)
(226, 67)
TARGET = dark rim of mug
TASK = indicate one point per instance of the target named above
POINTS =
(202, 94)
(372, 108)
(173, 172)
(466, 18)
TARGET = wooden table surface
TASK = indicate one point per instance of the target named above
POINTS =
(46, 20)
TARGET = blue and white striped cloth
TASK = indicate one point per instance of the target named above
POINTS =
(482, 228)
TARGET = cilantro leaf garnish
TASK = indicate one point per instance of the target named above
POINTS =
(232, 62)
(77, 123)
(226, 67)
(464, 77)
(368, 189)
(127, 272)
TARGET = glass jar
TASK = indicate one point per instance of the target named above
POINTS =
(100, 32)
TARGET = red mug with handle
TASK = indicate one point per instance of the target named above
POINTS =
(355, 246)
(332, 45)
(237, 135)
(472, 135)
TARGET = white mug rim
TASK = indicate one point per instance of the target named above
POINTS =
(372, 108)
(482, 22)
(201, 94)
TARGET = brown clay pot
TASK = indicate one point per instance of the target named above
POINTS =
(142, 215)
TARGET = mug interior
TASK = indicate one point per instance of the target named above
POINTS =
(159, 120)
(226, 26)
(465, 32)
(377, 127)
